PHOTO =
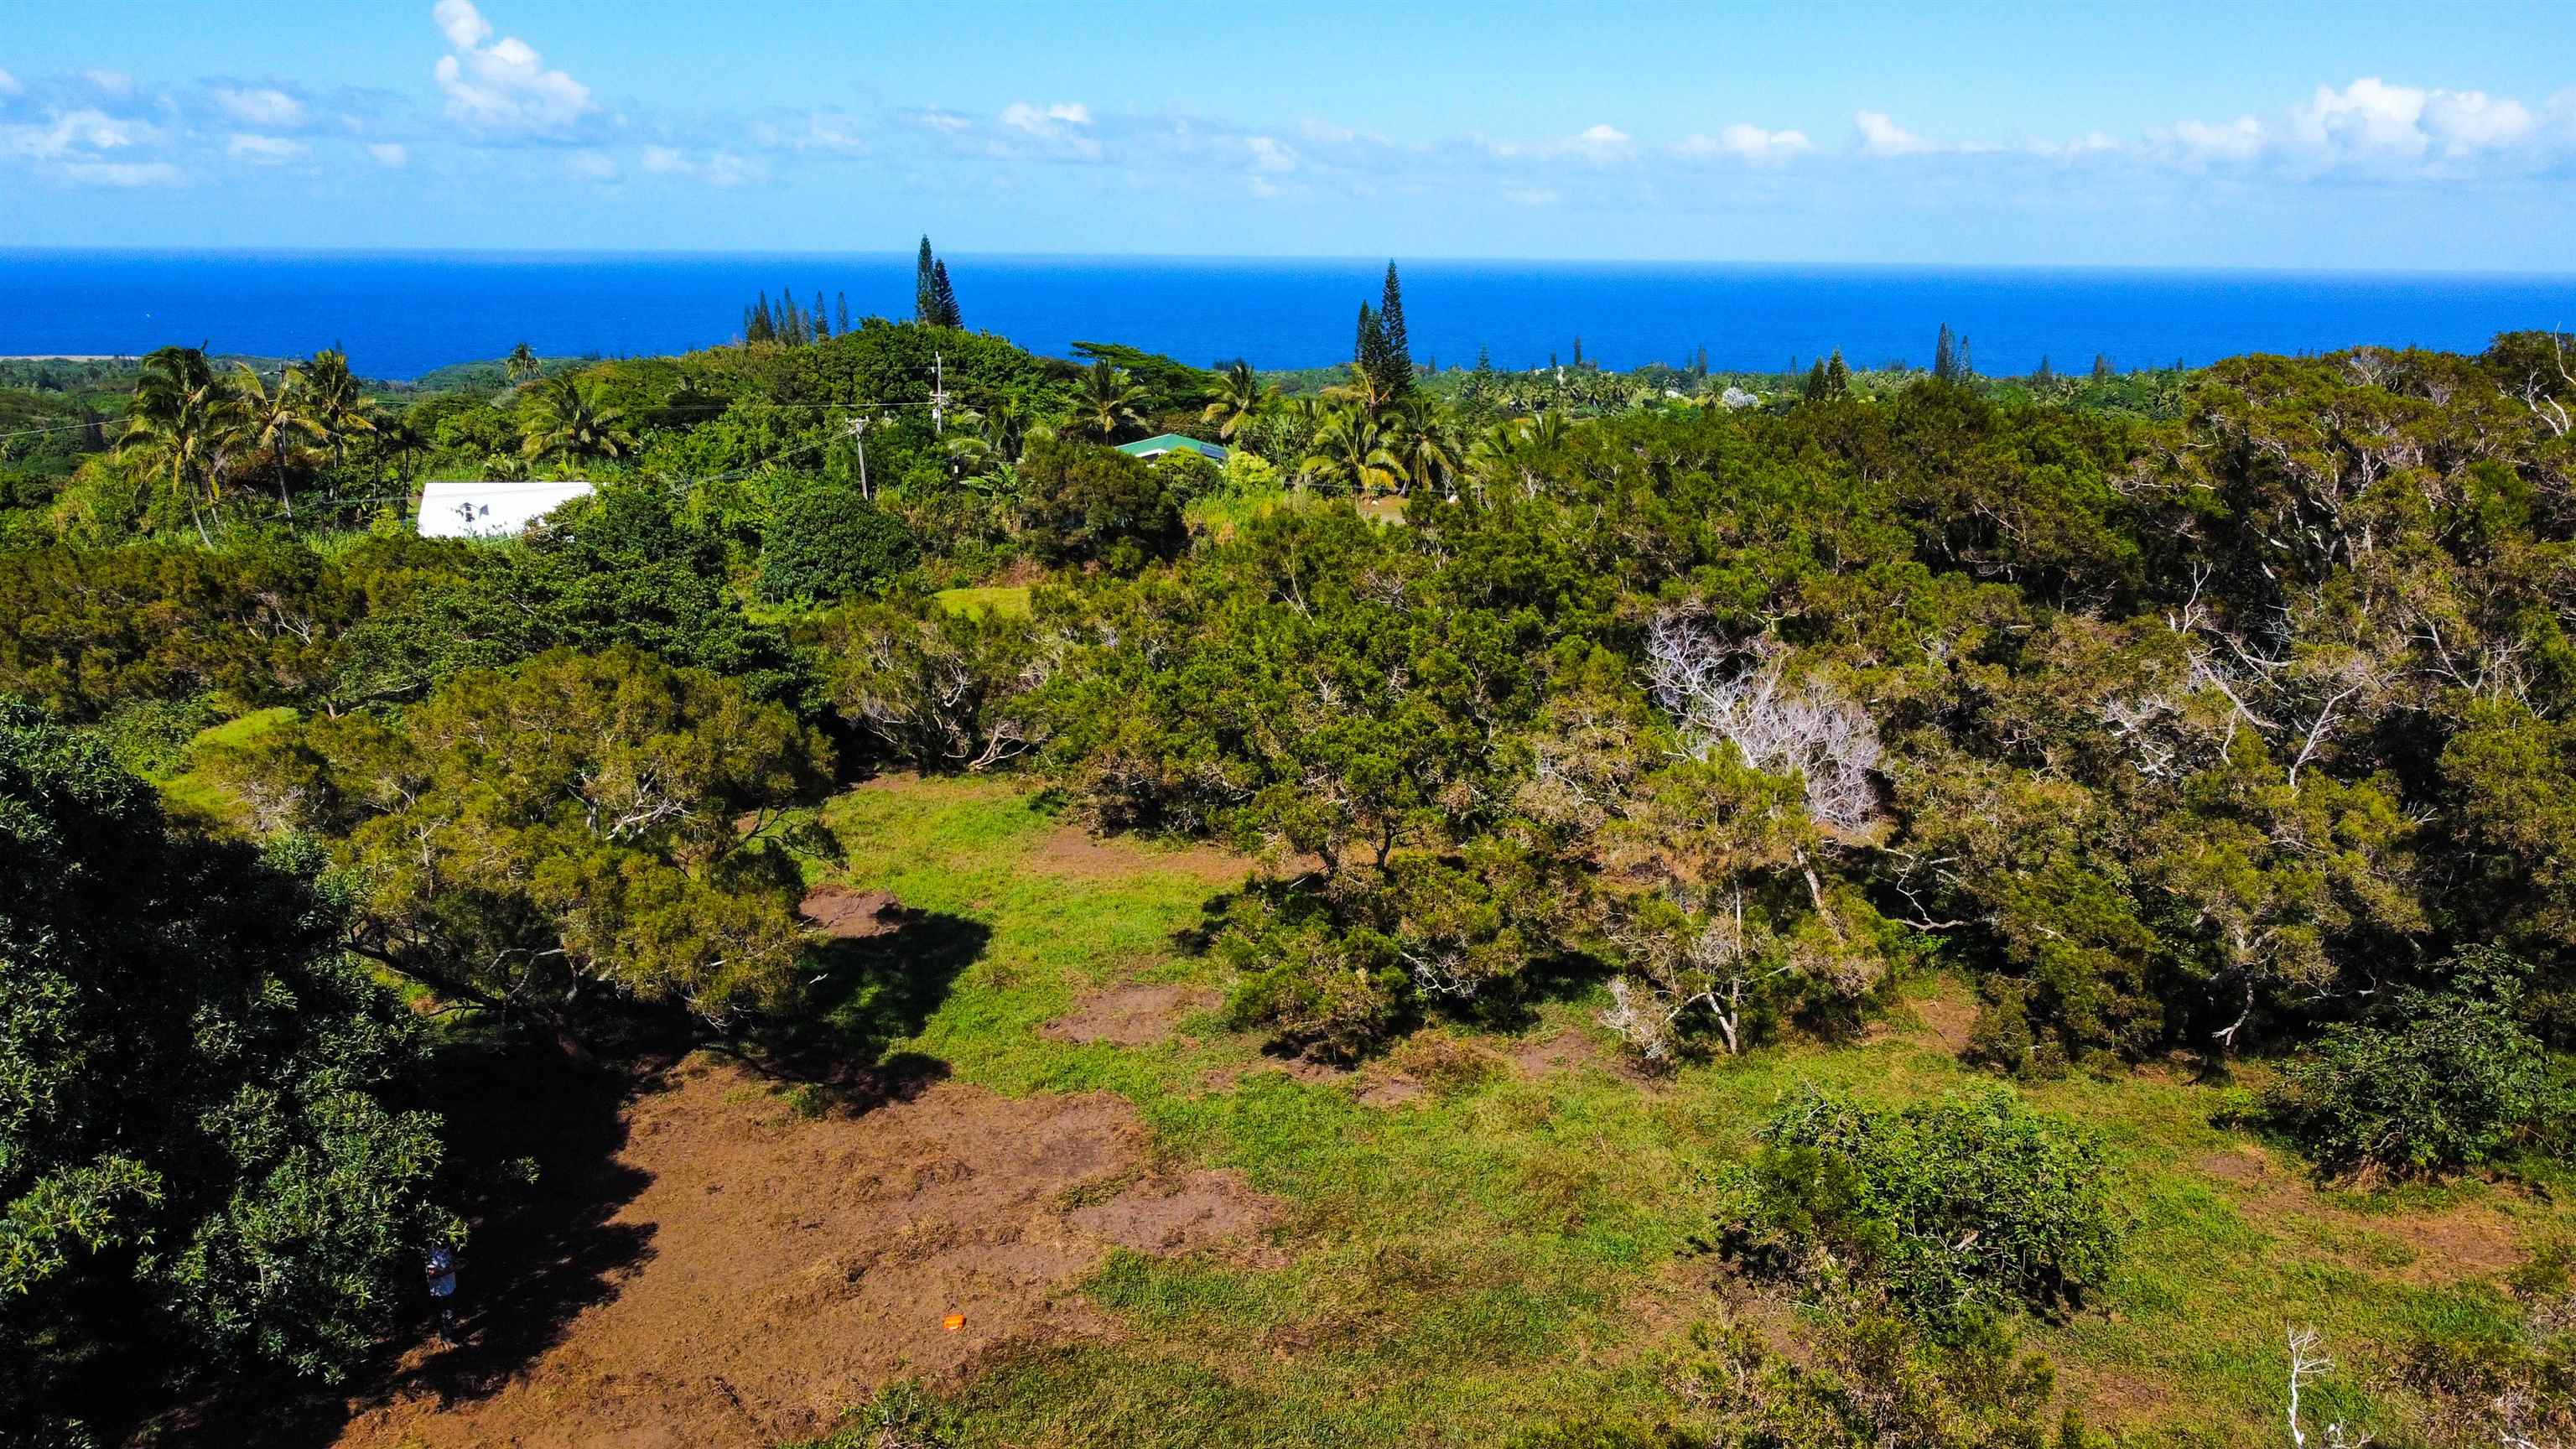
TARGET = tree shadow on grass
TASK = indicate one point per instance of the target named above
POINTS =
(866, 993)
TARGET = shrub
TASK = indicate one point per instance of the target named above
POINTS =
(1097, 505)
(1863, 1375)
(1971, 1200)
(208, 1156)
(1325, 990)
(826, 542)
(2437, 1081)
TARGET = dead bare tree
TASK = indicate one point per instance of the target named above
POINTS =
(1809, 728)
(2308, 1363)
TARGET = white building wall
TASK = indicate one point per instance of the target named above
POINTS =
(490, 510)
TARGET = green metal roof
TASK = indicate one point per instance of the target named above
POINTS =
(1167, 442)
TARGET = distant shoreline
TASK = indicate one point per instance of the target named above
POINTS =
(66, 356)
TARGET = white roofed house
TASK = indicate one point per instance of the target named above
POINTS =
(491, 509)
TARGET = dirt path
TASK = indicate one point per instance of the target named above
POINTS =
(785, 1265)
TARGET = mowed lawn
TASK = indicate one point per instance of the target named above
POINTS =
(1516, 1247)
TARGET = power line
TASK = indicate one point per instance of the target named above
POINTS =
(62, 428)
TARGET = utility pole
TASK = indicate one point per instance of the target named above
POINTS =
(858, 431)
(938, 392)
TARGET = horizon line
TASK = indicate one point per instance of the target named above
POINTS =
(17, 249)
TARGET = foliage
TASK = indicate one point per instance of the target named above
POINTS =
(1088, 505)
(2432, 1082)
(1950, 1207)
(523, 834)
(827, 543)
(207, 1159)
(936, 688)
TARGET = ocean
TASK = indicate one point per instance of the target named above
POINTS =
(400, 314)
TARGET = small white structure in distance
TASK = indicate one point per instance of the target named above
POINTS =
(491, 510)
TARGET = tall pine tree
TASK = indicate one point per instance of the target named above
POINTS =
(1397, 379)
(943, 298)
(1368, 349)
(922, 284)
(1945, 361)
(2101, 367)
(1837, 376)
(822, 319)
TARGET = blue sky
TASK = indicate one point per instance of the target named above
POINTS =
(2350, 135)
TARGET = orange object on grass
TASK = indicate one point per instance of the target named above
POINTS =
(953, 1322)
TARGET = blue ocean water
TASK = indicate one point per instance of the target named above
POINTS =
(402, 313)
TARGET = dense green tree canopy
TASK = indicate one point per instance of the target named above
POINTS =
(207, 1156)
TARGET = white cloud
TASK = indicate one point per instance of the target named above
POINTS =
(109, 82)
(2091, 143)
(2469, 121)
(1064, 128)
(721, 168)
(1746, 143)
(939, 120)
(9, 84)
(1272, 155)
(120, 174)
(827, 132)
(1021, 116)
(591, 166)
(390, 155)
(266, 150)
(1880, 136)
(1602, 137)
(68, 134)
(2372, 126)
(502, 86)
(267, 108)
(2237, 140)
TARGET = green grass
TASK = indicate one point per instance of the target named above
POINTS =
(1488, 1259)
(1008, 601)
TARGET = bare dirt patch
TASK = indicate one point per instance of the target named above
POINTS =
(1136, 1014)
(1184, 1214)
(1948, 1018)
(2469, 1240)
(1070, 853)
(844, 914)
(788, 1265)
(1390, 1089)
(1574, 1051)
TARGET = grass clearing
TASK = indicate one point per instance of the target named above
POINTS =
(1002, 601)
(1511, 1249)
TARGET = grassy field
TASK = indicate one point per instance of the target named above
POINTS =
(1007, 601)
(1516, 1248)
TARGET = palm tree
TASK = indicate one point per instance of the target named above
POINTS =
(1237, 400)
(521, 364)
(398, 440)
(335, 402)
(181, 419)
(1425, 445)
(1107, 401)
(567, 420)
(273, 420)
(1351, 449)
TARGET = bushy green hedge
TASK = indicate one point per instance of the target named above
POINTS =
(1973, 1200)
(2433, 1082)
(826, 542)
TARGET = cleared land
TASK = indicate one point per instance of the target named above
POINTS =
(1157, 1235)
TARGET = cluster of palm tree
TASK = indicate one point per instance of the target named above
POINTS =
(1363, 436)
(568, 419)
(201, 429)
